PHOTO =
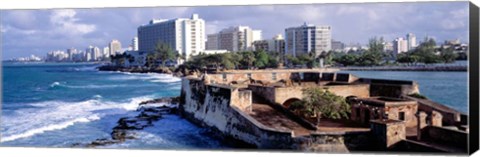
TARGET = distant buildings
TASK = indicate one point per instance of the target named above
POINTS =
(388, 46)
(185, 36)
(115, 47)
(411, 41)
(32, 58)
(235, 39)
(400, 45)
(307, 38)
(337, 46)
(106, 52)
(276, 44)
(135, 44)
(57, 56)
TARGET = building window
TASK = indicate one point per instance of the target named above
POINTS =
(274, 76)
(401, 116)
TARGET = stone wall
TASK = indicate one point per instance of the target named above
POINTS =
(450, 137)
(242, 99)
(449, 116)
(359, 90)
(409, 111)
(280, 95)
(390, 88)
(267, 92)
(388, 132)
(222, 111)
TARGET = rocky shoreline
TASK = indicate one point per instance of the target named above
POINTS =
(180, 71)
(149, 112)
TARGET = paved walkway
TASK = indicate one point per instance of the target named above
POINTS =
(272, 118)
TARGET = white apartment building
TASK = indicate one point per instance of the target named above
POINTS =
(135, 44)
(400, 45)
(411, 41)
(308, 38)
(106, 52)
(115, 47)
(276, 44)
(185, 36)
(234, 39)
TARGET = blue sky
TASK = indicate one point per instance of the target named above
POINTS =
(26, 32)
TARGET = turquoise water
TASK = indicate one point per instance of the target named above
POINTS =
(58, 105)
(448, 88)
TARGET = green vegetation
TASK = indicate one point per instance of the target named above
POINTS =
(427, 53)
(235, 60)
(120, 59)
(418, 95)
(318, 102)
(163, 52)
(371, 57)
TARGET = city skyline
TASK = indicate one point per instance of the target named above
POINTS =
(351, 23)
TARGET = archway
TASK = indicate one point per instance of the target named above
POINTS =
(289, 102)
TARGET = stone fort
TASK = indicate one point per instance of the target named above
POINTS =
(250, 107)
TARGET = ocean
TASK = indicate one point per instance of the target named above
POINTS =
(60, 105)
(448, 88)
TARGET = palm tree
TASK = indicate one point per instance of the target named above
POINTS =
(163, 52)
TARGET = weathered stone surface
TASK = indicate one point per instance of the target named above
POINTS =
(125, 127)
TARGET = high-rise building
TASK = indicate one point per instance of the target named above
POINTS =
(106, 52)
(212, 42)
(388, 46)
(115, 47)
(235, 39)
(185, 36)
(400, 45)
(411, 41)
(135, 44)
(307, 38)
(337, 45)
(276, 44)
(71, 52)
(96, 54)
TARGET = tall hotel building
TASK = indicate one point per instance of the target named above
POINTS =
(235, 39)
(400, 45)
(411, 41)
(115, 47)
(185, 36)
(308, 38)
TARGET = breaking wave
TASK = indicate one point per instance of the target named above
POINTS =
(57, 115)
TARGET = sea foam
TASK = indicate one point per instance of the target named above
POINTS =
(57, 115)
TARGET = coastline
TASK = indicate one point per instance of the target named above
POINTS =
(409, 68)
(177, 72)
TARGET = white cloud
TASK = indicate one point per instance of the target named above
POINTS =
(450, 24)
(349, 10)
(66, 22)
(3, 29)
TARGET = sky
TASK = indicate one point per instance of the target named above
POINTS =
(26, 32)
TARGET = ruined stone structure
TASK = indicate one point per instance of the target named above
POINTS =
(251, 106)
(365, 109)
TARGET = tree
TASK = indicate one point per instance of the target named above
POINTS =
(447, 55)
(347, 60)
(163, 52)
(261, 59)
(375, 53)
(322, 103)
(247, 59)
